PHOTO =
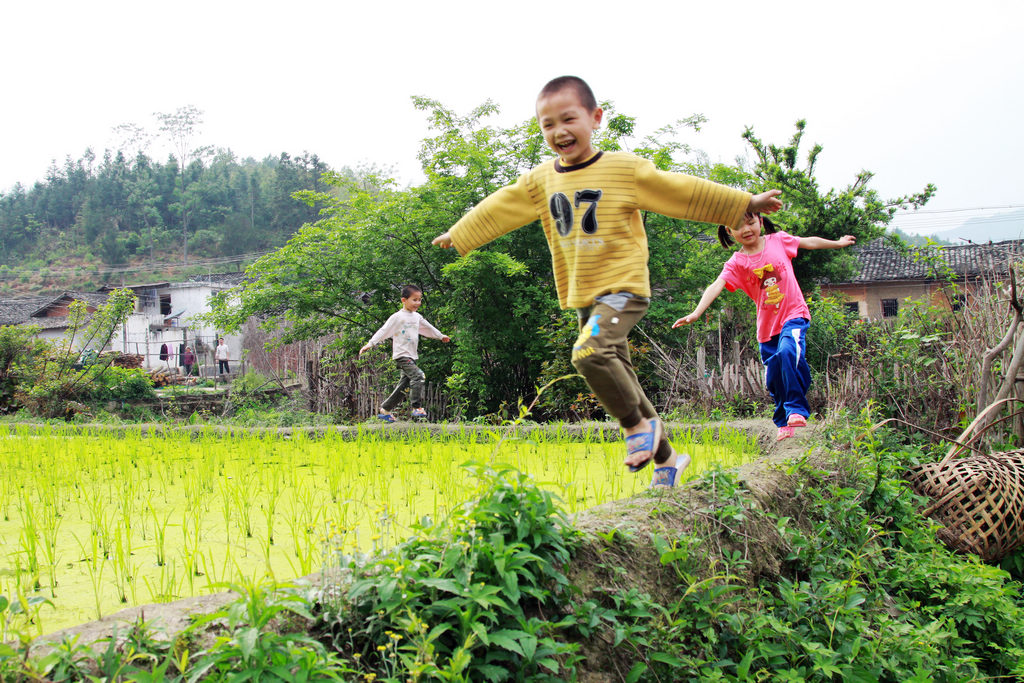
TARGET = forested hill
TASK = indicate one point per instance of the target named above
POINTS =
(95, 220)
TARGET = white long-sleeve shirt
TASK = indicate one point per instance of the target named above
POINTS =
(404, 329)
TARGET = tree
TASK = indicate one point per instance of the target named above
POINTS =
(854, 210)
(20, 351)
(56, 384)
(131, 139)
(180, 127)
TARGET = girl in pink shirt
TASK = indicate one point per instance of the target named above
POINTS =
(762, 268)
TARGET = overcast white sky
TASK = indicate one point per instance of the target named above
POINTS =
(916, 92)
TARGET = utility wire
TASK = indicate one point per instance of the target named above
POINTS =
(912, 212)
(938, 220)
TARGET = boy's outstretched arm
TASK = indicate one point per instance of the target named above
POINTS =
(766, 202)
(822, 243)
(710, 294)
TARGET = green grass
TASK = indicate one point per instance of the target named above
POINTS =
(95, 521)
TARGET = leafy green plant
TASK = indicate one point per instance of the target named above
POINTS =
(464, 599)
(58, 384)
(19, 353)
(259, 645)
(119, 384)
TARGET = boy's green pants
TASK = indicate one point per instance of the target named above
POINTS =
(601, 355)
(413, 379)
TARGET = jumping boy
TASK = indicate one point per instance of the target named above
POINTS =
(404, 328)
(589, 205)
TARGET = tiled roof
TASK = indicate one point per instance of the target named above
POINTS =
(229, 279)
(17, 311)
(222, 279)
(55, 323)
(879, 261)
(151, 285)
(93, 299)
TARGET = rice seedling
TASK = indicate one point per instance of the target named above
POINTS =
(161, 517)
(243, 494)
(160, 534)
(29, 542)
(94, 565)
(49, 528)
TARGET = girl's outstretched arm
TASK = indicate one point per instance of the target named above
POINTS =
(710, 294)
(822, 243)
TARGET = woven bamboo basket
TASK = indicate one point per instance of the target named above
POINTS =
(979, 500)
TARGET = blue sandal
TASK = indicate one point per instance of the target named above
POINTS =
(385, 417)
(668, 476)
(644, 441)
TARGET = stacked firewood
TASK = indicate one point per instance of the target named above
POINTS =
(127, 360)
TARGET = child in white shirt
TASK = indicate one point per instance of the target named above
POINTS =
(404, 328)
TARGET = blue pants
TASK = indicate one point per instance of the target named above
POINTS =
(786, 373)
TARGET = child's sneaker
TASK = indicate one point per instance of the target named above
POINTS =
(784, 433)
(419, 414)
(796, 420)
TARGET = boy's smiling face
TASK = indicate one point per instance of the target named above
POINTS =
(567, 125)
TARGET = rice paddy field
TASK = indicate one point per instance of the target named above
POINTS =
(96, 520)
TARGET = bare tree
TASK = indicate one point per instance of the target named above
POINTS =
(131, 139)
(181, 127)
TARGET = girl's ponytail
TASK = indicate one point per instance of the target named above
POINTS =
(723, 236)
(767, 225)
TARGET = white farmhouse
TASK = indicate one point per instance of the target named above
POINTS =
(165, 322)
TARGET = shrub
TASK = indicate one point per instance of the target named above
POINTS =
(119, 384)
(475, 597)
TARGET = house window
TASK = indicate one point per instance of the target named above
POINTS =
(852, 309)
(889, 308)
(165, 304)
(957, 302)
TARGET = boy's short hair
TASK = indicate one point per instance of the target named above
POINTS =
(409, 290)
(583, 90)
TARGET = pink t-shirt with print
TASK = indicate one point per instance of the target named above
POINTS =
(768, 279)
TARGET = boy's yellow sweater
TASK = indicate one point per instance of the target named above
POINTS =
(591, 217)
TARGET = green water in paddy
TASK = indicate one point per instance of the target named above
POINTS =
(97, 521)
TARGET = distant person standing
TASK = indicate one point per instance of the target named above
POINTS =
(221, 354)
(188, 359)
